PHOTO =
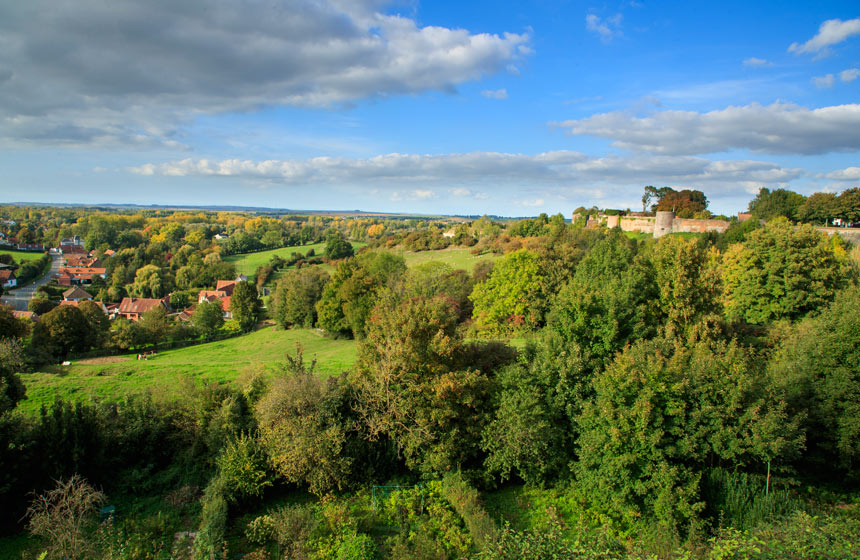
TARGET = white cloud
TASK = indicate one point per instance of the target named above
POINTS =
(831, 32)
(847, 174)
(421, 177)
(495, 93)
(824, 82)
(607, 29)
(781, 128)
(534, 202)
(756, 62)
(96, 73)
(849, 75)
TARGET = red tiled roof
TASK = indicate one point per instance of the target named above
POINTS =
(6, 274)
(139, 305)
(210, 295)
(226, 286)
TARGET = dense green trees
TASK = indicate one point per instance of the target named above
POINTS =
(768, 204)
(245, 305)
(351, 293)
(816, 368)
(781, 272)
(296, 295)
(512, 298)
(663, 411)
(208, 317)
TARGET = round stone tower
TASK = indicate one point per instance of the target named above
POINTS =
(663, 223)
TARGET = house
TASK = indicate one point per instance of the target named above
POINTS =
(109, 252)
(222, 293)
(78, 303)
(31, 247)
(76, 294)
(69, 249)
(133, 308)
(226, 286)
(82, 261)
(7, 278)
(75, 240)
(79, 275)
(25, 315)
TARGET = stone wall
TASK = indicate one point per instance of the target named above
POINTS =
(681, 225)
(848, 234)
(642, 225)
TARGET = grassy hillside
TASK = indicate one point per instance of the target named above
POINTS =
(456, 257)
(247, 263)
(114, 377)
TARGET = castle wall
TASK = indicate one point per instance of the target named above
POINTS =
(682, 225)
(663, 223)
(642, 224)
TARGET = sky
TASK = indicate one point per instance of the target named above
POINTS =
(506, 107)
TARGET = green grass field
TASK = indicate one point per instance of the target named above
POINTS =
(21, 256)
(247, 263)
(114, 377)
(456, 257)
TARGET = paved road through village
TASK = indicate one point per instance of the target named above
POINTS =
(18, 298)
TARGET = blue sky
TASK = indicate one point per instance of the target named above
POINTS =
(433, 107)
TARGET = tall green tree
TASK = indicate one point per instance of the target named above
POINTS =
(816, 367)
(782, 272)
(208, 317)
(665, 410)
(296, 295)
(64, 329)
(768, 204)
(416, 387)
(512, 298)
(245, 305)
(10, 326)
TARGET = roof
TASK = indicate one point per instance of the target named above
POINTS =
(226, 286)
(6, 274)
(76, 293)
(83, 270)
(139, 305)
(24, 314)
(210, 295)
(109, 252)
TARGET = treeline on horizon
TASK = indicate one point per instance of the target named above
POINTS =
(692, 396)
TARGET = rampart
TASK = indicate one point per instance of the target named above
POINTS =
(661, 224)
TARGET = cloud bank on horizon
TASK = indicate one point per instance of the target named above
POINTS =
(354, 104)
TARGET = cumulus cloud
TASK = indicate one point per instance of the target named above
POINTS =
(607, 29)
(847, 174)
(495, 93)
(824, 82)
(781, 128)
(458, 175)
(756, 62)
(831, 32)
(849, 75)
(90, 72)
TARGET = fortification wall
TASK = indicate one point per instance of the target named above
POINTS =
(848, 234)
(682, 225)
(642, 225)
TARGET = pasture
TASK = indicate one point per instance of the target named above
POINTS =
(21, 256)
(456, 257)
(247, 263)
(165, 374)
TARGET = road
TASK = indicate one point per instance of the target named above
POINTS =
(18, 298)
